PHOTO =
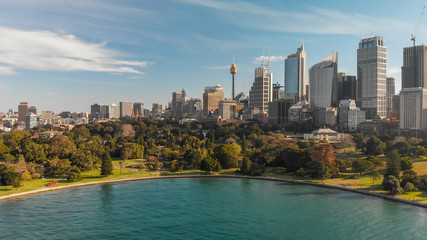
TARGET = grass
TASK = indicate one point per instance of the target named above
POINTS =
(344, 180)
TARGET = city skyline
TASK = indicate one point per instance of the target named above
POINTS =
(63, 56)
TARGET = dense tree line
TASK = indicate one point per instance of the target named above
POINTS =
(248, 147)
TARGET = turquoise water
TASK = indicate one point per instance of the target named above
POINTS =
(208, 209)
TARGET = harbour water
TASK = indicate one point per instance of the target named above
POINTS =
(208, 209)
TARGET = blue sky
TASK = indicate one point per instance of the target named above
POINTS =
(66, 55)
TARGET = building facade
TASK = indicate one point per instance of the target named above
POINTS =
(371, 77)
(226, 109)
(30, 120)
(349, 116)
(125, 109)
(413, 108)
(414, 67)
(22, 111)
(138, 109)
(295, 74)
(347, 86)
(211, 98)
(323, 82)
(261, 92)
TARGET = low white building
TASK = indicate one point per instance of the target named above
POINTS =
(323, 134)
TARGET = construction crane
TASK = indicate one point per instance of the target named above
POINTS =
(417, 27)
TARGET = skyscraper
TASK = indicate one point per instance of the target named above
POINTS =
(211, 98)
(22, 111)
(295, 74)
(323, 82)
(389, 93)
(125, 109)
(371, 77)
(95, 111)
(138, 109)
(347, 86)
(413, 108)
(261, 92)
(177, 103)
(391, 86)
(414, 67)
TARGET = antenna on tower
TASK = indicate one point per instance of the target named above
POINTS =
(268, 59)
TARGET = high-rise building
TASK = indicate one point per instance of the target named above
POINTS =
(414, 67)
(413, 108)
(347, 86)
(113, 111)
(323, 82)
(22, 111)
(371, 77)
(30, 120)
(391, 86)
(211, 98)
(157, 109)
(125, 109)
(138, 109)
(32, 109)
(295, 74)
(261, 92)
(178, 102)
(95, 111)
(389, 93)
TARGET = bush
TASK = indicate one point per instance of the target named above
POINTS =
(75, 175)
(392, 184)
(409, 187)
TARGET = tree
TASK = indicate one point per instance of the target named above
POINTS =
(374, 146)
(57, 167)
(323, 153)
(406, 163)
(410, 176)
(376, 161)
(75, 175)
(106, 164)
(391, 184)
(363, 166)
(409, 187)
(9, 176)
(246, 166)
(359, 140)
(175, 166)
(210, 164)
(393, 164)
(227, 155)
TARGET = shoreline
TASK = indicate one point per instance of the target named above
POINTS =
(374, 194)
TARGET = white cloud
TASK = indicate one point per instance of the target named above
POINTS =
(49, 51)
(224, 67)
(269, 58)
(6, 70)
(314, 20)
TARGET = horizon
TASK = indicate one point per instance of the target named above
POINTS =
(63, 56)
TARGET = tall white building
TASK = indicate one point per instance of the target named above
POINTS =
(261, 92)
(323, 82)
(371, 77)
(413, 108)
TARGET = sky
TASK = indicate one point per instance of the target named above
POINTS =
(66, 55)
